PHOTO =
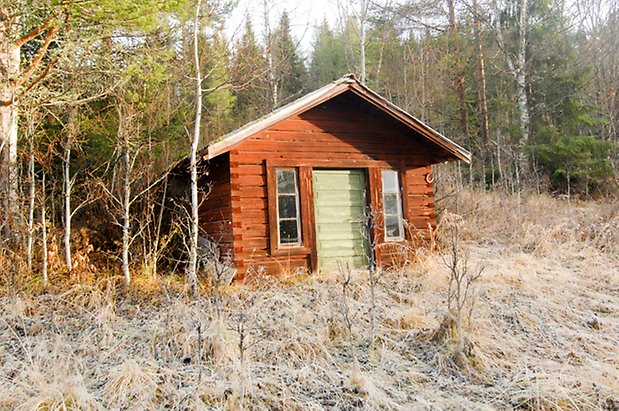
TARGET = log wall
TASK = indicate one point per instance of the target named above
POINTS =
(215, 212)
(328, 136)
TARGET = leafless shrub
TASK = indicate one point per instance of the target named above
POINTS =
(460, 291)
(346, 277)
(217, 268)
(370, 224)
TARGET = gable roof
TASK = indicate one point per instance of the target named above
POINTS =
(347, 83)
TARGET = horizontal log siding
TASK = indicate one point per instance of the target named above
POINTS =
(321, 137)
(419, 201)
(215, 212)
(419, 215)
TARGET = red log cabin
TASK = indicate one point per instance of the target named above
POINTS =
(297, 187)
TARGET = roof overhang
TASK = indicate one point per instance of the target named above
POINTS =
(315, 98)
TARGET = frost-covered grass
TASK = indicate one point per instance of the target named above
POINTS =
(543, 334)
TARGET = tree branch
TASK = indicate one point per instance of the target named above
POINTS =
(38, 57)
(157, 181)
(40, 77)
(32, 34)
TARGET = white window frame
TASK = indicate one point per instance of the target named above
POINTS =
(299, 241)
(399, 215)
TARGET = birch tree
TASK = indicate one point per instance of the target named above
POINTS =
(126, 129)
(44, 28)
(361, 15)
(211, 85)
(69, 178)
(517, 65)
(17, 78)
(124, 195)
(269, 44)
(286, 74)
(44, 245)
(482, 92)
(359, 9)
(192, 268)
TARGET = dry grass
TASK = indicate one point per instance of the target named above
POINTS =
(544, 332)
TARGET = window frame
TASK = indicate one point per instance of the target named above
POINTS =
(297, 218)
(304, 195)
(399, 203)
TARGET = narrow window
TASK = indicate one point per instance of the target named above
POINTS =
(288, 216)
(392, 201)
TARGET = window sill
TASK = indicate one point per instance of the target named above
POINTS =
(293, 250)
(395, 240)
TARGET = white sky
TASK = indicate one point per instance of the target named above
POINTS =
(305, 16)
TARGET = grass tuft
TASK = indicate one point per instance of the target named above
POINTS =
(543, 334)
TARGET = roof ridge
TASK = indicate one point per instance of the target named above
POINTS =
(347, 82)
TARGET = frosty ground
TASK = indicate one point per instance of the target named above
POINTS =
(543, 332)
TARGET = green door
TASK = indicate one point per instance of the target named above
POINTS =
(339, 203)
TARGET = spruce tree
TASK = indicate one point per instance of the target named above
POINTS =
(288, 66)
(328, 61)
(218, 101)
(249, 70)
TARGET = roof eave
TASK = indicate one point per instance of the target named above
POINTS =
(396, 112)
(303, 104)
(311, 100)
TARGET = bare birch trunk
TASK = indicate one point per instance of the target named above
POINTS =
(521, 82)
(523, 103)
(569, 188)
(12, 80)
(451, 9)
(518, 70)
(481, 79)
(493, 179)
(31, 203)
(269, 53)
(44, 230)
(123, 136)
(193, 166)
(67, 188)
(9, 70)
(498, 158)
(518, 181)
(126, 208)
(363, 14)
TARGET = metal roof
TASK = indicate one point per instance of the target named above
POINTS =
(347, 83)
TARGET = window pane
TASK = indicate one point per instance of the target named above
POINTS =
(288, 232)
(391, 204)
(392, 226)
(287, 206)
(286, 181)
(390, 181)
